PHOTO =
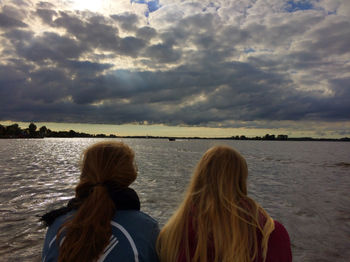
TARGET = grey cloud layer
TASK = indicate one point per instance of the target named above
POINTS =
(200, 70)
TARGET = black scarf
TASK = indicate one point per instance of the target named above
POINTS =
(124, 199)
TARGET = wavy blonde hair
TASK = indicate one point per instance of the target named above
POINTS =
(88, 232)
(220, 212)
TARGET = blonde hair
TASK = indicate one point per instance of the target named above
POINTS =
(87, 233)
(223, 217)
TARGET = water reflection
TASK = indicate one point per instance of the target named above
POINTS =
(305, 185)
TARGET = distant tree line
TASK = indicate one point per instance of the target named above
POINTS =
(266, 137)
(14, 131)
(285, 138)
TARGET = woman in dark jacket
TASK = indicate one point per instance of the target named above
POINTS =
(103, 222)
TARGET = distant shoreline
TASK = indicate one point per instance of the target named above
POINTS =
(345, 139)
(15, 132)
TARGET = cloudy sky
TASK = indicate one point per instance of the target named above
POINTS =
(248, 65)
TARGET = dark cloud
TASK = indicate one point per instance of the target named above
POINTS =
(18, 36)
(146, 33)
(96, 32)
(337, 40)
(16, 9)
(49, 46)
(190, 27)
(131, 46)
(127, 21)
(45, 5)
(198, 70)
(163, 53)
(85, 67)
(10, 22)
(229, 94)
(93, 33)
(12, 77)
(47, 86)
(235, 35)
(46, 15)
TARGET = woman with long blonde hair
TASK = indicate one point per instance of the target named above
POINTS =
(103, 222)
(218, 222)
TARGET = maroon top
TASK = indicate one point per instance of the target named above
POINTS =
(278, 249)
(278, 246)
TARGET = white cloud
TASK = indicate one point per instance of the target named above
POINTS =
(222, 61)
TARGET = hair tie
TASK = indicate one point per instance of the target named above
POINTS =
(109, 186)
(98, 184)
(92, 187)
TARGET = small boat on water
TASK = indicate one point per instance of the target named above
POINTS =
(172, 139)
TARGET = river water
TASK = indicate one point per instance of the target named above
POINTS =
(304, 185)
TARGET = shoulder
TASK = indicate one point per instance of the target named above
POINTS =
(280, 233)
(279, 247)
(57, 223)
(136, 233)
(132, 216)
(136, 222)
(50, 248)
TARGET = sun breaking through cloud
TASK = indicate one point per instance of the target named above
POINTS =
(189, 63)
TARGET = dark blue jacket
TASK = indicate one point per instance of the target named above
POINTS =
(134, 236)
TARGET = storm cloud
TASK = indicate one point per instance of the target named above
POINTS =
(188, 63)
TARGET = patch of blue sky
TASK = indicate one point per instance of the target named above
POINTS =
(332, 12)
(153, 5)
(211, 5)
(298, 5)
(138, 1)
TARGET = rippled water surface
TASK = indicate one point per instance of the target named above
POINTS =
(304, 185)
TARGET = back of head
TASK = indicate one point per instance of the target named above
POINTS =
(220, 176)
(105, 165)
(107, 162)
(216, 207)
